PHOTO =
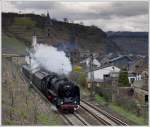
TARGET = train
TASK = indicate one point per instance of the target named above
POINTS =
(58, 89)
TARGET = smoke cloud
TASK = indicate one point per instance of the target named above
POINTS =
(49, 58)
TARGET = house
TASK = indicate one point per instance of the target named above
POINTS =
(139, 65)
(86, 62)
(143, 82)
(121, 61)
(84, 53)
(103, 73)
(134, 77)
(104, 59)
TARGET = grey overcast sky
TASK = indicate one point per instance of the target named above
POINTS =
(109, 16)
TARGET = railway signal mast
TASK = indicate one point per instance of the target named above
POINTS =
(91, 70)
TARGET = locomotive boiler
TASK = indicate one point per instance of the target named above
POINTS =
(61, 91)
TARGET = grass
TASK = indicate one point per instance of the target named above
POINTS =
(43, 119)
(122, 111)
(136, 119)
(101, 100)
(55, 119)
(9, 122)
(24, 21)
(13, 44)
(47, 119)
(22, 113)
(84, 91)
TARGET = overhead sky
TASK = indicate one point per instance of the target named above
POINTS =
(109, 16)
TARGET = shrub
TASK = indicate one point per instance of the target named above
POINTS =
(77, 69)
(82, 80)
(24, 114)
(101, 99)
(123, 78)
(79, 78)
(9, 122)
(128, 104)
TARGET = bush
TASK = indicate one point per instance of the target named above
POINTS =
(128, 104)
(101, 99)
(9, 122)
(123, 78)
(77, 69)
(78, 76)
(24, 114)
(82, 80)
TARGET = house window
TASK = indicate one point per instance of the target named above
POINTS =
(146, 98)
(106, 76)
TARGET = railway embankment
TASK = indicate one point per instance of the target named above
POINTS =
(21, 105)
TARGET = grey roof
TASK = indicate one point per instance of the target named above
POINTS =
(119, 57)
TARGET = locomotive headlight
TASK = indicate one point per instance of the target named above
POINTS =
(75, 102)
(61, 102)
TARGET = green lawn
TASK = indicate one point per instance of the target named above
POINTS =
(13, 44)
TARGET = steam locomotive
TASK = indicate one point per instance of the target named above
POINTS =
(63, 93)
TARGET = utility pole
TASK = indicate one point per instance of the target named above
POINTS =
(91, 70)
(30, 72)
(114, 89)
(114, 85)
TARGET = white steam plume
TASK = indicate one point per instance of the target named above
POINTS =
(50, 59)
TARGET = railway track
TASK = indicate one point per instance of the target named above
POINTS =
(77, 119)
(70, 119)
(106, 118)
(97, 115)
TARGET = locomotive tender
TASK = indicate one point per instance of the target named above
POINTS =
(62, 92)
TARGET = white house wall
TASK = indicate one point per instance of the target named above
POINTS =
(138, 77)
(99, 74)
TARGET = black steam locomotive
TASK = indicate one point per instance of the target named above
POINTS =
(62, 92)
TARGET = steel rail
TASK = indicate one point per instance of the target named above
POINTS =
(70, 121)
(104, 122)
(113, 118)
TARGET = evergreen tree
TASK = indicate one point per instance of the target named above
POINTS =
(123, 78)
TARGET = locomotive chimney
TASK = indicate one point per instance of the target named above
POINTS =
(34, 40)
